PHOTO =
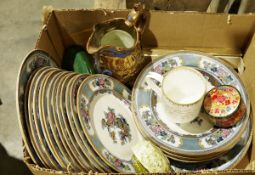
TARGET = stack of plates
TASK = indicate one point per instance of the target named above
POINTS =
(78, 122)
(198, 141)
(75, 122)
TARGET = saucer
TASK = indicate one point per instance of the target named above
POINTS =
(104, 110)
(179, 139)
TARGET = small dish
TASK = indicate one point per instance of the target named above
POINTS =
(103, 106)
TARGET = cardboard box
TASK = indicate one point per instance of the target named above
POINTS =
(226, 35)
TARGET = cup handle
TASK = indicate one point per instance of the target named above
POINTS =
(149, 80)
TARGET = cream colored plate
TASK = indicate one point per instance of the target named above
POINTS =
(43, 96)
(65, 126)
(33, 120)
(54, 125)
(29, 89)
(71, 94)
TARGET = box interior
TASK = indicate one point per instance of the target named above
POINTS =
(217, 34)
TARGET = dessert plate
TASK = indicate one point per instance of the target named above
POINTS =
(33, 60)
(64, 125)
(34, 121)
(52, 108)
(103, 106)
(81, 139)
(43, 96)
(72, 131)
(197, 138)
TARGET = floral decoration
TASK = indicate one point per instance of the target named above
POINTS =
(219, 71)
(116, 123)
(156, 128)
(39, 62)
(117, 162)
(85, 112)
(218, 136)
(101, 82)
(165, 66)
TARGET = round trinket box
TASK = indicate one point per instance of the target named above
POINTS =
(224, 106)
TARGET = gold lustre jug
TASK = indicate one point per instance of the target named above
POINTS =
(116, 45)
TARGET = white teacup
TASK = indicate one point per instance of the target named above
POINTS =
(182, 89)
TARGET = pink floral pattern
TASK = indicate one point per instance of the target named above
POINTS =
(116, 123)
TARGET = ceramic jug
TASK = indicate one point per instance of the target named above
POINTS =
(116, 45)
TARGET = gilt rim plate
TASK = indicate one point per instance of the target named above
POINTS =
(44, 118)
(215, 139)
(228, 160)
(71, 131)
(33, 112)
(104, 109)
(35, 59)
(76, 125)
(64, 126)
(54, 124)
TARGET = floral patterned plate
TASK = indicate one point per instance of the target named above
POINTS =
(80, 137)
(34, 121)
(43, 114)
(61, 121)
(52, 108)
(197, 138)
(33, 60)
(104, 111)
(69, 125)
(228, 160)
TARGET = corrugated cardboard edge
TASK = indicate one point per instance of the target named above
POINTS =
(45, 37)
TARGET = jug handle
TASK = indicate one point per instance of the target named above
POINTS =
(137, 17)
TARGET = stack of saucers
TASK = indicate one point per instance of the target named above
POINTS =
(197, 144)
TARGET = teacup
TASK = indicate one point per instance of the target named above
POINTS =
(182, 89)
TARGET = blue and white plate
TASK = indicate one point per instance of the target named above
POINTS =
(199, 137)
